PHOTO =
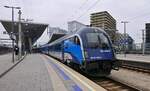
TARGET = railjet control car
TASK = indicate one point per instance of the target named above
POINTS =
(89, 48)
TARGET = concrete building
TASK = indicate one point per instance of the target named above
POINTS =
(104, 20)
(56, 30)
(74, 26)
(56, 33)
(147, 41)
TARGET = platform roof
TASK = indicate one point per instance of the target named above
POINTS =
(30, 29)
(55, 36)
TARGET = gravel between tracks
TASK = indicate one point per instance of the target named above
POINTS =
(136, 79)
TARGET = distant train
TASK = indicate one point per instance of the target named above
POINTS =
(90, 48)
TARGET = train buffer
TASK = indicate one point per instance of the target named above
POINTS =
(39, 72)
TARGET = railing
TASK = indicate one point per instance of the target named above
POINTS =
(133, 48)
(136, 64)
(4, 50)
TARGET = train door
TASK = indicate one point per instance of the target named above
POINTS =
(73, 50)
(77, 49)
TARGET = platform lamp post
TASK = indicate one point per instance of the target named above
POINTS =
(12, 26)
(124, 23)
(20, 35)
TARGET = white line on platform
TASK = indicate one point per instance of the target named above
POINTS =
(60, 86)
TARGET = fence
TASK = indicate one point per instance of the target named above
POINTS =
(4, 50)
(136, 48)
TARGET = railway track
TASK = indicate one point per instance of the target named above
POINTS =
(112, 85)
(107, 83)
(136, 69)
(141, 67)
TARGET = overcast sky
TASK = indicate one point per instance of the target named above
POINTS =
(57, 12)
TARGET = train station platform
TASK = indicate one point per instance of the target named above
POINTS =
(6, 62)
(39, 72)
(134, 57)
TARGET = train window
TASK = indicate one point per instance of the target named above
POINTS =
(92, 38)
(104, 41)
(97, 40)
(76, 40)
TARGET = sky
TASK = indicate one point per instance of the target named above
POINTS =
(58, 12)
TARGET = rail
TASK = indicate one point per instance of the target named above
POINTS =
(137, 66)
(113, 85)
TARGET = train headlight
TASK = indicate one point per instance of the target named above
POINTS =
(86, 54)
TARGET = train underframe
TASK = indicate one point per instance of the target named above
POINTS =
(99, 67)
(93, 68)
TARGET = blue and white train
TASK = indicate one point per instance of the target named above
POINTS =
(90, 48)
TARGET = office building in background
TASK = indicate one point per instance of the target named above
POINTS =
(105, 21)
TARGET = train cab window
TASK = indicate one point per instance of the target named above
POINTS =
(104, 41)
(76, 40)
(97, 40)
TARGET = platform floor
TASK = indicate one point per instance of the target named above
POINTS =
(6, 62)
(134, 57)
(41, 73)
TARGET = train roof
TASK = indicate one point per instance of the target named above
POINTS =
(79, 32)
(89, 29)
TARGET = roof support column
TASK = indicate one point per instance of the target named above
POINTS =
(20, 36)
